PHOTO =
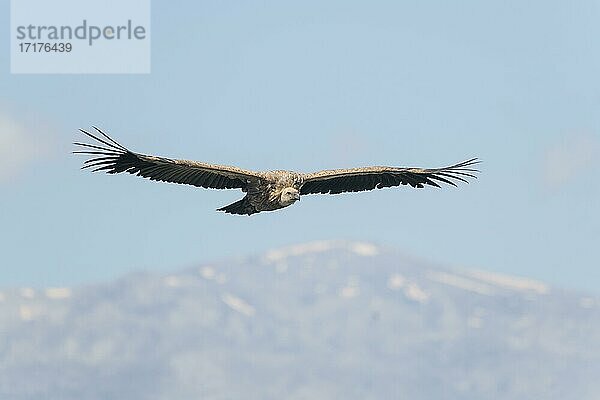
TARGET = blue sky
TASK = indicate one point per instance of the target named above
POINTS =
(308, 86)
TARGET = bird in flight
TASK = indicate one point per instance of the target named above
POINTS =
(265, 191)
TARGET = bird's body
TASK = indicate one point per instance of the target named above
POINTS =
(265, 191)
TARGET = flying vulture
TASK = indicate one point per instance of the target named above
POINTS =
(265, 191)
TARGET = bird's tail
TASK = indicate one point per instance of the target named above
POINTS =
(240, 207)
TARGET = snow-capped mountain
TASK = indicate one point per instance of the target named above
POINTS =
(323, 320)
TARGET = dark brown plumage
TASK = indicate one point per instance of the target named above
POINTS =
(265, 191)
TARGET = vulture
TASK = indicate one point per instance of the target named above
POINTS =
(267, 190)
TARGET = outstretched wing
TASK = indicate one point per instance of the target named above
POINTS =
(359, 179)
(110, 156)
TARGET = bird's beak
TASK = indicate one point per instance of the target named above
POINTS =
(298, 196)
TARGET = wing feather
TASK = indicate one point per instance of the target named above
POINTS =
(108, 155)
(368, 178)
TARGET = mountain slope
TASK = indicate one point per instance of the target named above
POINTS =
(320, 320)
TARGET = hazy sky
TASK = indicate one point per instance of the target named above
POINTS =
(312, 85)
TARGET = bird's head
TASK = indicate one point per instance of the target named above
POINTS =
(288, 196)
